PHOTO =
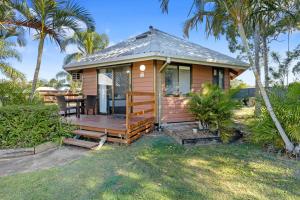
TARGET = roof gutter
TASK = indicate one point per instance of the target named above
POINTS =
(79, 66)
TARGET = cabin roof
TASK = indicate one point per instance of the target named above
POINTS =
(156, 44)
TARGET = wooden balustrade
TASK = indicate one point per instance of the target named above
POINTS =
(132, 105)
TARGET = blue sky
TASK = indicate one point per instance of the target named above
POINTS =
(121, 19)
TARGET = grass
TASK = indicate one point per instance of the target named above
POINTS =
(158, 168)
(244, 115)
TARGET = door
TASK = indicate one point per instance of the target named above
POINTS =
(105, 82)
(121, 84)
(113, 84)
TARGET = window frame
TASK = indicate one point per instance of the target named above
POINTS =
(218, 78)
(177, 85)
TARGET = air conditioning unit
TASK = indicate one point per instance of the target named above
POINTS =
(76, 76)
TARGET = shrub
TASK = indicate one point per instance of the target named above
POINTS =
(28, 126)
(14, 93)
(213, 107)
(286, 105)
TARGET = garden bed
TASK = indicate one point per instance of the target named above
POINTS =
(20, 152)
(184, 135)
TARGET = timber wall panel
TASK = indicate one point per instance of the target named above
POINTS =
(89, 84)
(174, 109)
(226, 79)
(142, 84)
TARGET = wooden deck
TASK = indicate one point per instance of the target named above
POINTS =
(139, 119)
(114, 126)
(109, 122)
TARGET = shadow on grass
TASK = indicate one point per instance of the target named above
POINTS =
(158, 168)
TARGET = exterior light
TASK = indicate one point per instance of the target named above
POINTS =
(142, 68)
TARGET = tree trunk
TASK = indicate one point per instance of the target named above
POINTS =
(288, 144)
(288, 55)
(266, 60)
(37, 68)
(256, 64)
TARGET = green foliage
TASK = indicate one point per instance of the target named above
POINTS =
(213, 107)
(7, 51)
(237, 83)
(12, 93)
(28, 126)
(286, 105)
(88, 42)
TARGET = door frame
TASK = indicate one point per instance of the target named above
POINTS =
(113, 85)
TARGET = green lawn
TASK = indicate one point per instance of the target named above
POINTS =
(158, 168)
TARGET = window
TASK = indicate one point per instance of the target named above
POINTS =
(178, 80)
(76, 76)
(218, 77)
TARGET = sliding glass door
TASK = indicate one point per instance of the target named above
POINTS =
(113, 84)
(105, 83)
(121, 87)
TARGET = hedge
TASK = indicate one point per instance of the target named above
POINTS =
(28, 126)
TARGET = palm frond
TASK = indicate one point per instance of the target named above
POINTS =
(164, 5)
(71, 57)
(7, 50)
(10, 72)
(77, 12)
(276, 57)
(296, 69)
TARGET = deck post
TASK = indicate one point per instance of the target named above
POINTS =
(128, 110)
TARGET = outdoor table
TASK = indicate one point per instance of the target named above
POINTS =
(79, 102)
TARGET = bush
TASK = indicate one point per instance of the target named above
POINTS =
(28, 126)
(213, 107)
(12, 93)
(286, 105)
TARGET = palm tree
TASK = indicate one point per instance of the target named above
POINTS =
(64, 79)
(281, 71)
(7, 52)
(8, 31)
(88, 42)
(296, 56)
(217, 15)
(50, 19)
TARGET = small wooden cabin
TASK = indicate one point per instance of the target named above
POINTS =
(157, 63)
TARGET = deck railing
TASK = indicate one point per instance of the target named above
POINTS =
(133, 107)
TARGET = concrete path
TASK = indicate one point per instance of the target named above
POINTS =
(45, 160)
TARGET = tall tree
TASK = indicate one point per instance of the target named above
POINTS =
(87, 42)
(287, 24)
(217, 15)
(50, 19)
(296, 57)
(281, 70)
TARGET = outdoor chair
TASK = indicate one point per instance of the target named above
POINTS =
(64, 109)
(90, 103)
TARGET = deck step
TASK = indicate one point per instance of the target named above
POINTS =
(89, 134)
(80, 143)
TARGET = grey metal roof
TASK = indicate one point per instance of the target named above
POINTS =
(158, 44)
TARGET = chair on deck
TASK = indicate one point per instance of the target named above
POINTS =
(90, 103)
(64, 109)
